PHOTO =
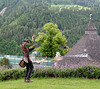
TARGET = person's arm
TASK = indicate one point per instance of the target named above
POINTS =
(30, 43)
(33, 37)
(30, 49)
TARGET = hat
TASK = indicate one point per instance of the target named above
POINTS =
(27, 40)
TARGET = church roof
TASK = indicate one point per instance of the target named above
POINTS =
(87, 47)
(88, 44)
(73, 60)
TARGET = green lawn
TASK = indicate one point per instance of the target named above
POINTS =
(54, 83)
(69, 6)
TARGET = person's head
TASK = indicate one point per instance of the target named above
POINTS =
(27, 40)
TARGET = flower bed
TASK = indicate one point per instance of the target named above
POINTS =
(84, 71)
(88, 71)
(2, 68)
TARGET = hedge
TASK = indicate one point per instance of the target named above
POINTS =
(12, 74)
(86, 72)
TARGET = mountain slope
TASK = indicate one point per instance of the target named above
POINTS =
(23, 18)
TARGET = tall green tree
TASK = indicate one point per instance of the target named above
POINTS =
(51, 40)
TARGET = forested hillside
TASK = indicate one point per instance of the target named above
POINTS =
(23, 18)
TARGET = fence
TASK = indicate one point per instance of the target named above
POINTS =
(13, 59)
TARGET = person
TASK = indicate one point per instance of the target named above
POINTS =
(29, 65)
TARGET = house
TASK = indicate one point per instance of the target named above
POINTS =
(86, 49)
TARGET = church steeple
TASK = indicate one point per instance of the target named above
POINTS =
(90, 26)
(87, 48)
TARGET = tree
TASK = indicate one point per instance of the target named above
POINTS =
(51, 40)
(4, 61)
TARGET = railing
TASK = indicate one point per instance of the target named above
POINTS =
(13, 59)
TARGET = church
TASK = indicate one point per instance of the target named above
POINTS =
(86, 49)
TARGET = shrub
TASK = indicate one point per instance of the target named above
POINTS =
(4, 61)
(0, 63)
(2, 68)
(86, 72)
(12, 74)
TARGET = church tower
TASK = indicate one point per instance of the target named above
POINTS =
(87, 48)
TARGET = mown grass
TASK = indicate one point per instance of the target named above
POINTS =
(52, 83)
(66, 5)
(69, 6)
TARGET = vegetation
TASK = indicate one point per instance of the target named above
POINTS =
(5, 62)
(51, 41)
(61, 72)
(52, 83)
(12, 74)
(69, 6)
(23, 18)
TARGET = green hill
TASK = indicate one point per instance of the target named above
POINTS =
(23, 18)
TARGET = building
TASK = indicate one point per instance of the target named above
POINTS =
(86, 49)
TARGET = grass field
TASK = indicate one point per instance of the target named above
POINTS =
(69, 6)
(66, 5)
(54, 83)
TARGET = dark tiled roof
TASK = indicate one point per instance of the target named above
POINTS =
(78, 61)
(89, 44)
(73, 60)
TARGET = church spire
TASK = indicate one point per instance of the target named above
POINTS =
(90, 26)
(90, 16)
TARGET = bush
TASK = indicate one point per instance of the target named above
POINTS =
(86, 72)
(0, 63)
(12, 74)
(2, 68)
(4, 61)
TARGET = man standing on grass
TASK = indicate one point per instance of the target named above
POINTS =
(26, 48)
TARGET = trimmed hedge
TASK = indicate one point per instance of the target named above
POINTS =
(12, 74)
(86, 72)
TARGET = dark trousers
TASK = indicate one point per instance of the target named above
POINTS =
(29, 69)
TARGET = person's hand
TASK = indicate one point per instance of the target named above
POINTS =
(33, 37)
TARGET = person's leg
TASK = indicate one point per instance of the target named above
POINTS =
(27, 70)
(30, 70)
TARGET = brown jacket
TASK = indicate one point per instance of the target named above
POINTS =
(26, 50)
